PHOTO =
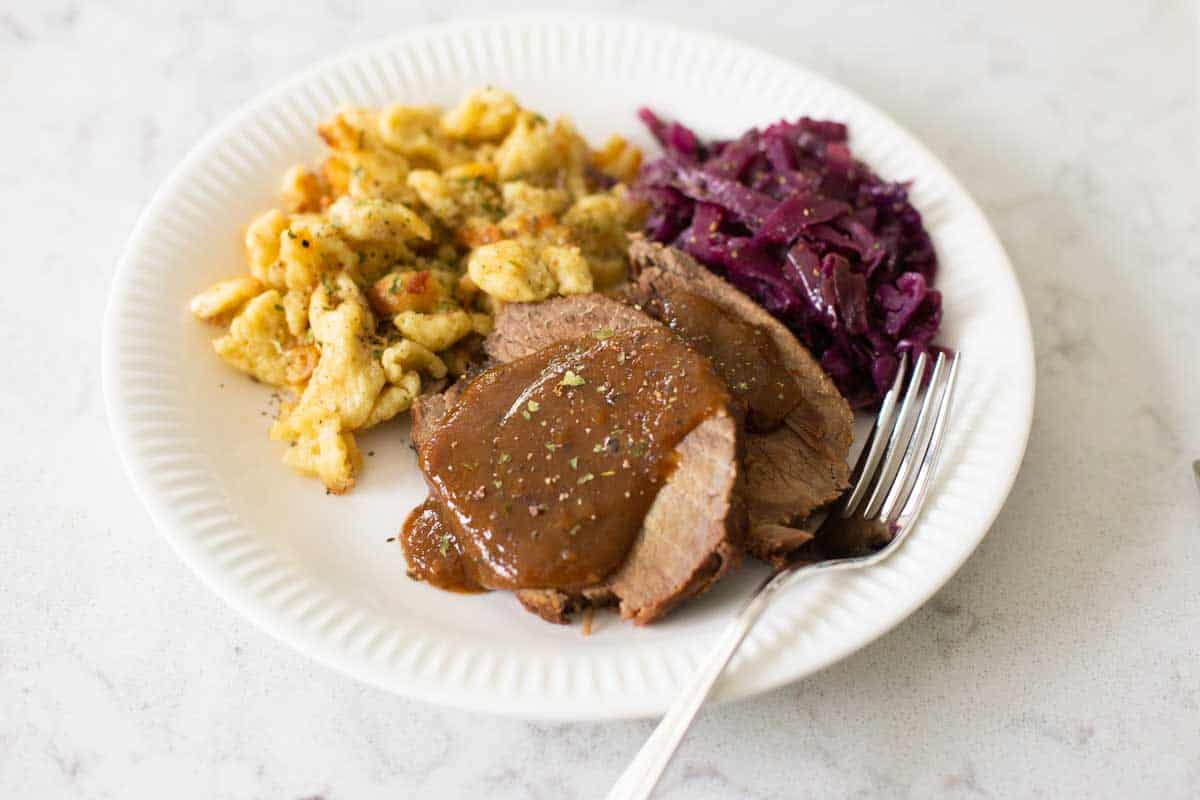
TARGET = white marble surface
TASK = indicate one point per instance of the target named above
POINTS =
(1063, 660)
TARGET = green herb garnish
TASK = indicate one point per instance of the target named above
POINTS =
(571, 379)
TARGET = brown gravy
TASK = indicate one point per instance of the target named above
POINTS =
(744, 355)
(433, 552)
(541, 474)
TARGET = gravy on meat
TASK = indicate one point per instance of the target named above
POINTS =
(433, 553)
(743, 354)
(543, 471)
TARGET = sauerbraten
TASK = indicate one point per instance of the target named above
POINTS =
(626, 448)
(543, 472)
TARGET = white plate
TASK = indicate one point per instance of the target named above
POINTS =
(314, 570)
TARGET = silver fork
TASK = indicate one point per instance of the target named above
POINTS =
(889, 482)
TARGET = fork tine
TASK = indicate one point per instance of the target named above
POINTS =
(917, 444)
(898, 440)
(933, 452)
(880, 434)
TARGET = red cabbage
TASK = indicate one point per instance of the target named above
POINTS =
(789, 216)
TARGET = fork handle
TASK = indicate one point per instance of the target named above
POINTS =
(642, 775)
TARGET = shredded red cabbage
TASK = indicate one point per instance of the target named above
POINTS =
(789, 216)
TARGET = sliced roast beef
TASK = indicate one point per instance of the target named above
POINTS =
(429, 409)
(798, 437)
(552, 605)
(691, 533)
(780, 455)
(688, 540)
(524, 328)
